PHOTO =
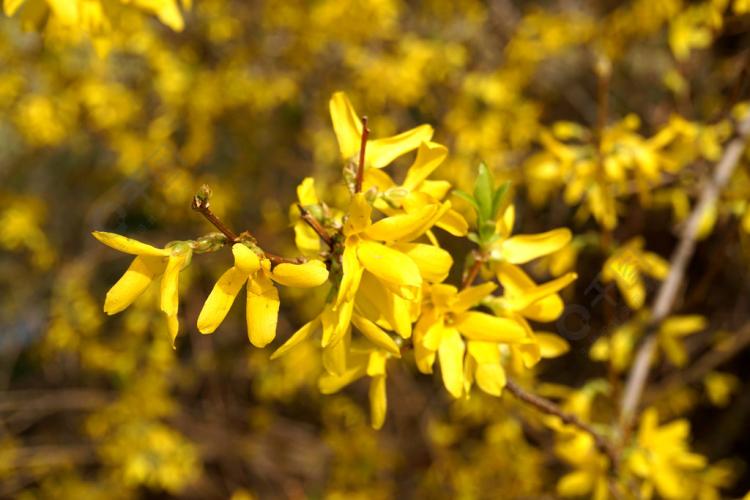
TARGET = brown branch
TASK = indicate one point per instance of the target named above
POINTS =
(548, 407)
(201, 205)
(315, 225)
(471, 275)
(667, 293)
(361, 165)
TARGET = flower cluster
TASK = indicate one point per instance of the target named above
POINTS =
(386, 271)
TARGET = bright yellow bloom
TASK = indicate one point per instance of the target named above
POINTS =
(379, 152)
(662, 456)
(446, 320)
(262, 296)
(150, 262)
(590, 479)
(627, 265)
(361, 362)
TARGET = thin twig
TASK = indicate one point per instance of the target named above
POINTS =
(361, 165)
(201, 205)
(315, 225)
(546, 406)
(471, 275)
(667, 293)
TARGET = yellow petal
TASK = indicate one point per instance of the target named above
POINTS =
(65, 10)
(11, 6)
(301, 335)
(382, 152)
(491, 378)
(335, 356)
(346, 125)
(309, 274)
(521, 291)
(451, 356)
(129, 245)
(679, 326)
(169, 284)
(173, 325)
(376, 335)
(378, 401)
(306, 239)
(378, 304)
(403, 226)
(245, 259)
(262, 310)
(524, 248)
(388, 264)
(544, 310)
(575, 484)
(551, 345)
(358, 218)
(133, 283)
(220, 299)
(454, 223)
(429, 156)
(332, 382)
(480, 326)
(469, 297)
(433, 262)
(306, 192)
(352, 272)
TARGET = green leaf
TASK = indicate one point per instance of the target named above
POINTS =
(467, 198)
(483, 190)
(499, 197)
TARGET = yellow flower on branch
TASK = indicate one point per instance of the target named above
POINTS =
(262, 296)
(626, 267)
(361, 362)
(662, 457)
(380, 152)
(446, 320)
(149, 263)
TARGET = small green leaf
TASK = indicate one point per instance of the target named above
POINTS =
(467, 198)
(499, 197)
(483, 190)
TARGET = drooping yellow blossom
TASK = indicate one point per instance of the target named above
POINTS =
(262, 296)
(361, 362)
(446, 320)
(524, 300)
(150, 262)
(380, 152)
(590, 477)
(626, 267)
(662, 457)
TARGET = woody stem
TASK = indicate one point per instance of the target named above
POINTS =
(362, 148)
(201, 205)
(315, 225)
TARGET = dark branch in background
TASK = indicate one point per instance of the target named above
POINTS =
(361, 165)
(546, 406)
(667, 293)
